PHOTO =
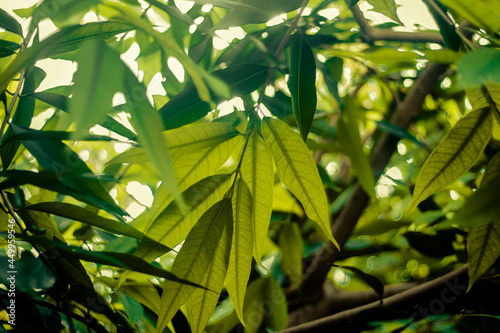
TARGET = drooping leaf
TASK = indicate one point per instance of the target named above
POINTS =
(292, 252)
(349, 139)
(450, 37)
(397, 131)
(257, 171)
(194, 259)
(203, 301)
(183, 141)
(74, 173)
(95, 82)
(386, 7)
(298, 171)
(187, 107)
(77, 213)
(369, 279)
(454, 155)
(173, 225)
(120, 260)
(9, 23)
(22, 117)
(302, 83)
(482, 14)
(8, 48)
(483, 246)
(240, 260)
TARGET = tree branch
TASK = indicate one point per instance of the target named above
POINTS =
(444, 289)
(370, 34)
(346, 221)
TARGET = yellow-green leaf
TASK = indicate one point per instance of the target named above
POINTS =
(240, 260)
(203, 301)
(292, 251)
(257, 171)
(298, 171)
(482, 14)
(194, 260)
(350, 141)
(302, 83)
(172, 225)
(483, 245)
(190, 169)
(454, 155)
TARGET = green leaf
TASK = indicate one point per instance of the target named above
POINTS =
(257, 171)
(302, 83)
(298, 171)
(9, 23)
(172, 226)
(454, 155)
(483, 246)
(292, 252)
(203, 301)
(369, 279)
(187, 107)
(240, 260)
(7, 48)
(350, 141)
(397, 131)
(77, 213)
(479, 67)
(386, 7)
(482, 14)
(190, 169)
(194, 259)
(95, 83)
(132, 308)
(251, 11)
(450, 37)
(74, 173)
(184, 141)
(120, 260)
(22, 117)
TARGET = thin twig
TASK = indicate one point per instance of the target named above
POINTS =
(12, 103)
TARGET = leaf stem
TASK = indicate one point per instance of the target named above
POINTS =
(12, 103)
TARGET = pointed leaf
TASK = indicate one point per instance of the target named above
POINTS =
(386, 7)
(483, 246)
(203, 301)
(369, 279)
(454, 155)
(350, 141)
(194, 259)
(240, 260)
(298, 171)
(95, 83)
(302, 83)
(482, 14)
(172, 226)
(257, 171)
(9, 23)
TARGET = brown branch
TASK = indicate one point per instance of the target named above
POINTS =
(370, 34)
(443, 290)
(346, 221)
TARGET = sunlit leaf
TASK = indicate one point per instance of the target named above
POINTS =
(173, 225)
(258, 173)
(292, 251)
(203, 301)
(298, 171)
(302, 83)
(483, 246)
(95, 84)
(386, 7)
(194, 259)
(9, 23)
(350, 141)
(240, 259)
(454, 155)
